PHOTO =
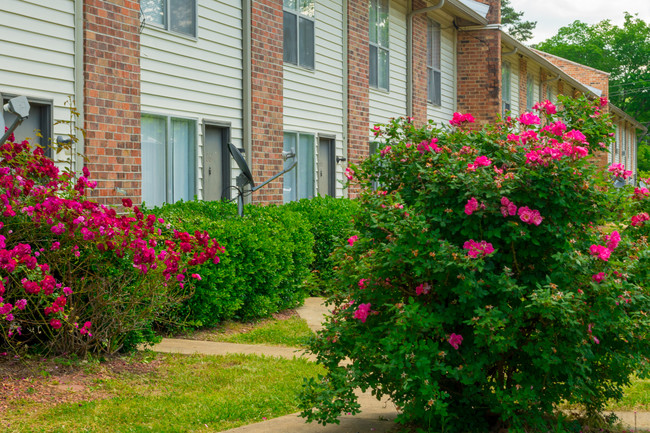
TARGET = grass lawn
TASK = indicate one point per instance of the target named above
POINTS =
(289, 331)
(157, 392)
(636, 398)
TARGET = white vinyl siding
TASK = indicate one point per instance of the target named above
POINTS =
(445, 111)
(197, 78)
(387, 104)
(313, 99)
(38, 58)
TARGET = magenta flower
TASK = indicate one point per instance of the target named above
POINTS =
(353, 239)
(600, 276)
(458, 119)
(362, 283)
(619, 170)
(529, 119)
(431, 146)
(600, 251)
(476, 249)
(362, 312)
(349, 173)
(545, 107)
(471, 206)
(637, 220)
(21, 304)
(58, 229)
(55, 323)
(422, 289)
(613, 240)
(385, 150)
(455, 340)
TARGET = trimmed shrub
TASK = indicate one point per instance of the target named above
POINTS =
(482, 279)
(330, 221)
(265, 268)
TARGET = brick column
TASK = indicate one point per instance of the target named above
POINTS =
(420, 76)
(479, 69)
(112, 98)
(266, 94)
(358, 96)
(523, 84)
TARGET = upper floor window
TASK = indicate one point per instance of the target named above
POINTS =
(299, 32)
(174, 15)
(433, 63)
(530, 91)
(379, 54)
(506, 74)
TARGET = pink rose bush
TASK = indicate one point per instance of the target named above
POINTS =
(65, 258)
(508, 269)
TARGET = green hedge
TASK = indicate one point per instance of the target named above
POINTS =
(330, 221)
(265, 267)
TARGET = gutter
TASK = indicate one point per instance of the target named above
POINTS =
(346, 112)
(247, 124)
(409, 50)
(79, 82)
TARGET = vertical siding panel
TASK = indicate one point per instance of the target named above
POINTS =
(445, 111)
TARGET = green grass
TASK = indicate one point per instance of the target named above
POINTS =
(635, 397)
(292, 332)
(196, 393)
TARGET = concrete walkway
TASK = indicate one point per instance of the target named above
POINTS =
(375, 417)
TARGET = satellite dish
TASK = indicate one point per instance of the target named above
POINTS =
(246, 177)
(19, 107)
(642, 184)
(242, 164)
(619, 183)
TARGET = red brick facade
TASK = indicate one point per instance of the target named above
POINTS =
(112, 98)
(523, 75)
(266, 95)
(358, 93)
(586, 75)
(420, 75)
(479, 69)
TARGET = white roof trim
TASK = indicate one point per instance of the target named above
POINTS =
(480, 8)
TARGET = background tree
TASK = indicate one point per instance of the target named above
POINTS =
(516, 27)
(621, 51)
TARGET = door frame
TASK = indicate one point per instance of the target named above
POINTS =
(226, 171)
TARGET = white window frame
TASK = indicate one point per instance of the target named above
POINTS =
(167, 19)
(304, 188)
(434, 68)
(378, 45)
(300, 10)
(169, 157)
(45, 122)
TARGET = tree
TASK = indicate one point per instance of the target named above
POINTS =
(621, 51)
(516, 27)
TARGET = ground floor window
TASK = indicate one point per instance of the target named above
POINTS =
(37, 128)
(168, 159)
(299, 182)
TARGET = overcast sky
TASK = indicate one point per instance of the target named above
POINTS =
(553, 14)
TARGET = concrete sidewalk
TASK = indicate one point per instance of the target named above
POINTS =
(375, 417)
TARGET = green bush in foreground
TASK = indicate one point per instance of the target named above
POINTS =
(264, 269)
(481, 290)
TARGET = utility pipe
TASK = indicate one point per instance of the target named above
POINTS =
(79, 82)
(247, 126)
(509, 53)
(409, 50)
(346, 112)
(485, 27)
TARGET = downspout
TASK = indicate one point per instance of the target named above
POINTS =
(509, 53)
(79, 81)
(247, 126)
(550, 80)
(345, 50)
(409, 50)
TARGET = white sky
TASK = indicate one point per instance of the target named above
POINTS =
(553, 14)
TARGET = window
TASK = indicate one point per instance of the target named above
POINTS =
(505, 87)
(37, 128)
(379, 58)
(299, 182)
(530, 91)
(168, 159)
(174, 15)
(433, 63)
(299, 32)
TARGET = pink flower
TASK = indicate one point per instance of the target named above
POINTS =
(385, 150)
(529, 119)
(422, 289)
(353, 239)
(455, 340)
(431, 146)
(600, 251)
(21, 304)
(459, 119)
(613, 240)
(619, 170)
(602, 102)
(349, 173)
(471, 206)
(196, 277)
(362, 312)
(362, 283)
(575, 135)
(55, 323)
(530, 216)
(600, 276)
(482, 161)
(545, 107)
(637, 220)
(58, 229)
(475, 249)
(640, 193)
(126, 202)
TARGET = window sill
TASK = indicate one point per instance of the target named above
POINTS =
(298, 67)
(152, 29)
(379, 90)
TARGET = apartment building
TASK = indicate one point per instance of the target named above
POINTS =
(161, 86)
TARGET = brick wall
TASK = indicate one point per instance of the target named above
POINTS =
(266, 95)
(112, 98)
(419, 67)
(584, 74)
(523, 80)
(358, 97)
